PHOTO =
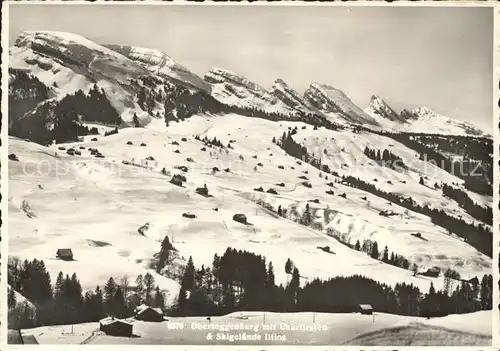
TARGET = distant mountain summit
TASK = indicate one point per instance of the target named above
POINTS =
(379, 107)
(418, 120)
(291, 97)
(337, 105)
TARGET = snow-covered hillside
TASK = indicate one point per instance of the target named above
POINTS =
(162, 65)
(67, 62)
(339, 329)
(78, 201)
(128, 142)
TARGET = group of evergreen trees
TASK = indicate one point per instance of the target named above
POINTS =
(385, 157)
(111, 132)
(25, 92)
(167, 254)
(370, 247)
(237, 280)
(66, 117)
(287, 143)
(476, 148)
(66, 303)
(240, 280)
(213, 142)
(178, 101)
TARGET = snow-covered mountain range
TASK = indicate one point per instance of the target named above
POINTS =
(418, 120)
(67, 62)
(162, 65)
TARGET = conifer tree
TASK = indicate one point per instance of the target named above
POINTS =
(159, 299)
(149, 285)
(135, 119)
(139, 287)
(306, 217)
(166, 254)
(357, 246)
(374, 253)
(109, 294)
(385, 257)
(288, 266)
(11, 298)
(270, 282)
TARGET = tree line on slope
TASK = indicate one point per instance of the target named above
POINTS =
(386, 158)
(180, 103)
(481, 213)
(370, 247)
(240, 280)
(65, 117)
(478, 236)
(476, 148)
(477, 174)
(66, 303)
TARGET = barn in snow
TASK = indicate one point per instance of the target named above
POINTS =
(116, 327)
(65, 254)
(149, 314)
(365, 309)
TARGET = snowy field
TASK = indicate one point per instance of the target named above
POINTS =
(96, 206)
(330, 329)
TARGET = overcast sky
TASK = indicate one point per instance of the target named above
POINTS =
(439, 57)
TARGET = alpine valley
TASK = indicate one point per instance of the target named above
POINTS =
(214, 196)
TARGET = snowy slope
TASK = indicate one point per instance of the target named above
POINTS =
(233, 89)
(340, 328)
(67, 62)
(20, 299)
(81, 201)
(344, 153)
(162, 65)
(431, 122)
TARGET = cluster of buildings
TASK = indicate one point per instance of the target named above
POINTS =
(120, 327)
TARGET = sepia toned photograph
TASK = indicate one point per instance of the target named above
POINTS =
(250, 174)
